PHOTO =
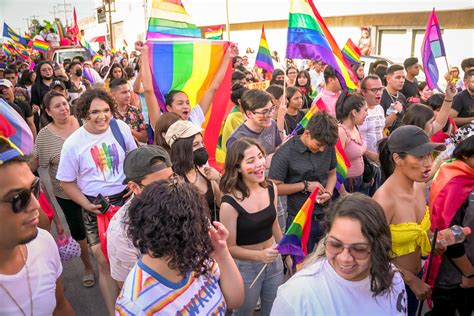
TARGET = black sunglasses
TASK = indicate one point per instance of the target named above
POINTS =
(22, 199)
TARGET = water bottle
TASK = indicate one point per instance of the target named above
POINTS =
(453, 235)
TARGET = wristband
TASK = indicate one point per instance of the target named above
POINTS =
(448, 100)
(305, 189)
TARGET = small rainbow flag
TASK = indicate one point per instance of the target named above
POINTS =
(97, 58)
(40, 45)
(295, 239)
(22, 138)
(264, 58)
(190, 65)
(214, 32)
(84, 43)
(317, 106)
(8, 50)
(58, 27)
(309, 38)
(351, 52)
(168, 18)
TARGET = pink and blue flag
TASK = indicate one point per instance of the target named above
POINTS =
(22, 136)
(431, 49)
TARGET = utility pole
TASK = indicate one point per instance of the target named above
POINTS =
(54, 12)
(66, 9)
(27, 24)
(109, 10)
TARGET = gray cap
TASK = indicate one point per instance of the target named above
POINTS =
(181, 129)
(139, 162)
(412, 140)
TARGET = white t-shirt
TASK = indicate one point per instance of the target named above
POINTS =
(95, 161)
(372, 128)
(53, 39)
(319, 290)
(122, 254)
(197, 116)
(145, 292)
(44, 267)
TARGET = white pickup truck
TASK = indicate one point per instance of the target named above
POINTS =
(59, 54)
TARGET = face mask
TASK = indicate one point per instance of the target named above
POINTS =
(279, 82)
(47, 78)
(200, 156)
(79, 72)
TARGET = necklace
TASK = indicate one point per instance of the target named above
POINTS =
(394, 98)
(29, 287)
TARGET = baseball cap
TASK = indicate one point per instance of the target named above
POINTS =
(412, 140)
(6, 83)
(410, 61)
(181, 129)
(139, 162)
(57, 83)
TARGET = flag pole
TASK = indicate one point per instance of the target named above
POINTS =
(258, 275)
(227, 24)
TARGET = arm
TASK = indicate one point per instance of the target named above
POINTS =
(31, 124)
(460, 121)
(63, 307)
(326, 194)
(206, 100)
(34, 164)
(137, 85)
(372, 155)
(141, 136)
(231, 283)
(72, 190)
(276, 226)
(445, 110)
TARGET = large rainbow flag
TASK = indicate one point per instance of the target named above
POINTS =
(190, 65)
(309, 38)
(351, 52)
(264, 58)
(295, 239)
(214, 32)
(22, 136)
(40, 45)
(168, 18)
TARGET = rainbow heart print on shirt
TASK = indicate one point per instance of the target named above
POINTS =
(106, 158)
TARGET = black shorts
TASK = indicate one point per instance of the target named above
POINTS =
(73, 214)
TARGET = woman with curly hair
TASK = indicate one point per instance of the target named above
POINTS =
(186, 266)
(91, 164)
(351, 271)
(249, 212)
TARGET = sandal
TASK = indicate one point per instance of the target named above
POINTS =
(88, 280)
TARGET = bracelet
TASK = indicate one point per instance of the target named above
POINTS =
(448, 100)
(305, 189)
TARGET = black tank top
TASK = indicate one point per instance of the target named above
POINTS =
(209, 196)
(253, 228)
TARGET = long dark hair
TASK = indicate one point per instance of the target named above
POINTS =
(307, 86)
(386, 160)
(110, 76)
(346, 103)
(417, 114)
(182, 155)
(170, 219)
(232, 182)
(39, 77)
(164, 122)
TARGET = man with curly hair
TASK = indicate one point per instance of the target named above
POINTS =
(186, 268)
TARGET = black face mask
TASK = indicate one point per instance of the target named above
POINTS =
(47, 78)
(279, 82)
(200, 156)
(79, 72)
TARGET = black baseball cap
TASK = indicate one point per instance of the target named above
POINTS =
(412, 140)
(58, 83)
(140, 162)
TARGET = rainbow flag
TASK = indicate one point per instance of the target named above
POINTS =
(264, 58)
(351, 52)
(214, 32)
(189, 65)
(295, 239)
(22, 138)
(58, 27)
(309, 38)
(40, 45)
(84, 43)
(97, 58)
(11, 34)
(8, 49)
(168, 18)
(432, 48)
(317, 106)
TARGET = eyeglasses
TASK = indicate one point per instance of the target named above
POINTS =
(22, 199)
(267, 112)
(375, 90)
(358, 251)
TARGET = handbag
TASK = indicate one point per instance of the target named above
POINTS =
(68, 247)
(369, 171)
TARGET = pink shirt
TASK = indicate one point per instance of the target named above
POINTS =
(329, 98)
(354, 150)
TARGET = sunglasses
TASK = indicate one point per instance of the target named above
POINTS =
(358, 251)
(22, 199)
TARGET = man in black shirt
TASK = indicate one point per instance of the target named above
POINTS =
(463, 103)
(410, 86)
(393, 101)
(305, 163)
(24, 109)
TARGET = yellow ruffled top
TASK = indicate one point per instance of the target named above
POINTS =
(406, 237)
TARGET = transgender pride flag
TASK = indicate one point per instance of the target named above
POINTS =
(432, 48)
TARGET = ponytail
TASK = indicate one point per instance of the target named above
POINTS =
(346, 103)
(385, 156)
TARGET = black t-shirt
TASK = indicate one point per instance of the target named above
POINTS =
(410, 89)
(16, 108)
(291, 121)
(387, 100)
(25, 108)
(38, 91)
(463, 103)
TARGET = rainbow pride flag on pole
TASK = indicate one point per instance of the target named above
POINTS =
(264, 58)
(58, 27)
(214, 32)
(432, 48)
(309, 38)
(40, 45)
(22, 137)
(168, 18)
(351, 52)
(295, 239)
(190, 65)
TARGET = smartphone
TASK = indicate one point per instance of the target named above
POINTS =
(103, 202)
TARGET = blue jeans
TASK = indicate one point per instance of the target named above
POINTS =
(370, 189)
(265, 287)
(316, 233)
(353, 184)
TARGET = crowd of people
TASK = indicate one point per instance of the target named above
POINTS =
(173, 235)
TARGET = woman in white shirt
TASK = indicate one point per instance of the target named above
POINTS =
(350, 272)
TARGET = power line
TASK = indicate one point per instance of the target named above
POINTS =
(66, 9)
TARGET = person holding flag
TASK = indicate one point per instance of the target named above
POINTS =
(249, 212)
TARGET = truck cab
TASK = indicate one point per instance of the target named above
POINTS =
(59, 54)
